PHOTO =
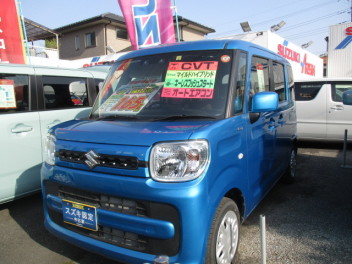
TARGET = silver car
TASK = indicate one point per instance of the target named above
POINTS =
(33, 99)
(321, 113)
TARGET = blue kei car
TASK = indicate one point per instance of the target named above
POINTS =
(182, 144)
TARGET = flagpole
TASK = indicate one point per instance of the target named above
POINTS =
(24, 30)
(177, 26)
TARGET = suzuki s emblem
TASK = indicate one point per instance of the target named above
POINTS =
(92, 159)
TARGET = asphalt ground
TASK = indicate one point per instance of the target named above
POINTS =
(309, 221)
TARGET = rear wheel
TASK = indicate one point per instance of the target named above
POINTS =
(290, 174)
(224, 234)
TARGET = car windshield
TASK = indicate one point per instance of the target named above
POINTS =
(186, 85)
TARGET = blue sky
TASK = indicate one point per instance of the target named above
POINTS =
(305, 20)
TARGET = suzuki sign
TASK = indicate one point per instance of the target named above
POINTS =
(305, 64)
(340, 50)
(344, 43)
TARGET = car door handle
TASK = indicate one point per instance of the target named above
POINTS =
(281, 121)
(337, 107)
(55, 122)
(271, 124)
(20, 128)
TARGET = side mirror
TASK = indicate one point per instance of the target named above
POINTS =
(347, 97)
(265, 102)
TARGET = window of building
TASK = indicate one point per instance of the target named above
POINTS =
(64, 92)
(14, 93)
(90, 40)
(121, 33)
(77, 43)
(279, 80)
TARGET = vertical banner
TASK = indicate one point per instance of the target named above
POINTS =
(149, 22)
(11, 37)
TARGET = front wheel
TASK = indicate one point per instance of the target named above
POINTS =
(224, 234)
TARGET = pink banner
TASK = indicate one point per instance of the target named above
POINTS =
(149, 22)
(11, 40)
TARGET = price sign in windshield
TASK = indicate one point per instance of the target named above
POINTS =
(190, 80)
(7, 94)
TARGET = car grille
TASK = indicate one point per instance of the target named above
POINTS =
(125, 206)
(112, 161)
(106, 202)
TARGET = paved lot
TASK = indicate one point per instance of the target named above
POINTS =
(309, 221)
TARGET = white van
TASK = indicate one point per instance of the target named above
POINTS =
(321, 114)
(33, 99)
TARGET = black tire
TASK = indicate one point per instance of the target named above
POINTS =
(225, 231)
(290, 174)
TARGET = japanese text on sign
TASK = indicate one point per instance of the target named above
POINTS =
(79, 214)
(2, 41)
(131, 98)
(7, 94)
(190, 79)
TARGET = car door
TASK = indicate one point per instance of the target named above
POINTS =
(20, 144)
(286, 120)
(339, 116)
(262, 133)
(311, 104)
(63, 96)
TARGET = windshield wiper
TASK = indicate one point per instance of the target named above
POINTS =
(176, 117)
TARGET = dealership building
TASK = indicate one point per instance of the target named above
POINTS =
(305, 65)
(340, 51)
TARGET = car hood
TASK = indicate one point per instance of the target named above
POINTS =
(126, 132)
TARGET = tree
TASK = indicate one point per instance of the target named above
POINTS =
(51, 43)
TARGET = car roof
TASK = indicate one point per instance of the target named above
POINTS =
(211, 44)
(50, 70)
(344, 79)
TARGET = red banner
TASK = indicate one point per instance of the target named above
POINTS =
(11, 37)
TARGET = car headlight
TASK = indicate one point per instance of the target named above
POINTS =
(49, 149)
(179, 161)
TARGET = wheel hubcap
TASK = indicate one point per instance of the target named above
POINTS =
(227, 238)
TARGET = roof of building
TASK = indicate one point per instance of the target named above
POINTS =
(113, 18)
(35, 31)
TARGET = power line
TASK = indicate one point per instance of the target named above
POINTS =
(306, 9)
(314, 20)
(307, 33)
(260, 13)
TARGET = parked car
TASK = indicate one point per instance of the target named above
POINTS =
(321, 114)
(182, 144)
(33, 99)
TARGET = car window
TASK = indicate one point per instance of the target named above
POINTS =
(338, 89)
(241, 83)
(291, 82)
(183, 84)
(14, 95)
(306, 91)
(259, 75)
(64, 92)
(98, 84)
(279, 81)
